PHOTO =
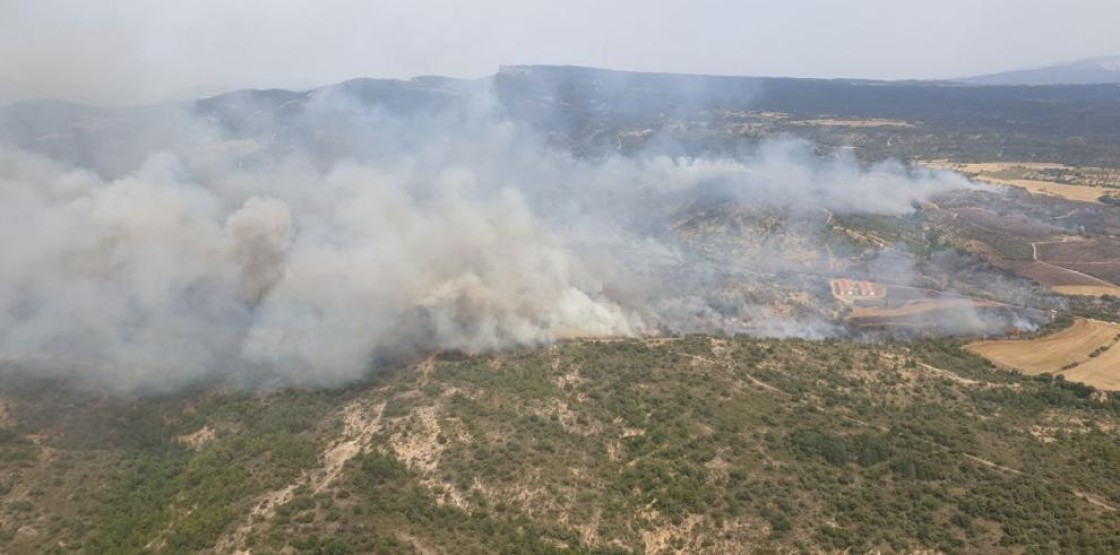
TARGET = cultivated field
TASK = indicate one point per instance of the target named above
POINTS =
(1055, 277)
(1067, 264)
(1018, 225)
(1108, 271)
(1089, 250)
(1098, 258)
(1070, 192)
(1086, 290)
(1080, 184)
(1084, 352)
(857, 123)
(944, 315)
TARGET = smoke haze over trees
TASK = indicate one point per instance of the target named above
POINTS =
(377, 233)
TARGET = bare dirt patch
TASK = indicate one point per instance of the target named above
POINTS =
(1095, 500)
(197, 439)
(951, 375)
(417, 444)
(730, 536)
(361, 423)
(1058, 425)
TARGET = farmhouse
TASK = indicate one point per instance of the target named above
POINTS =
(858, 292)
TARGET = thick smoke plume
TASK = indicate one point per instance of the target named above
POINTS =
(258, 265)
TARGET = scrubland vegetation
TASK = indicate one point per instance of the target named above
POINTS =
(694, 444)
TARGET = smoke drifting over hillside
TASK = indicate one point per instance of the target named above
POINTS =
(454, 231)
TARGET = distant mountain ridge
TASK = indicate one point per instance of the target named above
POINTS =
(1100, 70)
(589, 110)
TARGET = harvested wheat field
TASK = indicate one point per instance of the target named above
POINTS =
(1085, 352)
(1003, 173)
(1069, 192)
(1086, 290)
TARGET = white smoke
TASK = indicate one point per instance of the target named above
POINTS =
(472, 236)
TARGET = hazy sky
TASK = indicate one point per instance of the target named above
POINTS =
(126, 51)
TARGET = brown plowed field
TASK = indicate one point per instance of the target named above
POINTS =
(1088, 250)
(1018, 225)
(1049, 276)
(1099, 258)
(1105, 270)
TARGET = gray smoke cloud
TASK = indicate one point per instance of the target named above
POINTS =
(232, 259)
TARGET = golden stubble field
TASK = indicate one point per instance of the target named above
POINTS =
(992, 171)
(1086, 290)
(1072, 348)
